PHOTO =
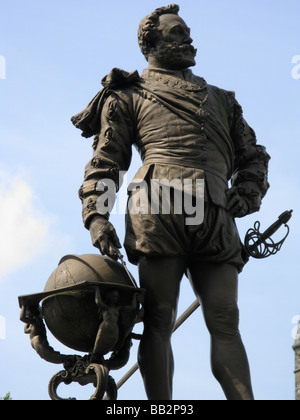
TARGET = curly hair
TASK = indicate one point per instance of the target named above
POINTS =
(148, 33)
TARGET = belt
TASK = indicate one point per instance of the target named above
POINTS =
(159, 159)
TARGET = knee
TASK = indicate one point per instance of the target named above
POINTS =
(160, 319)
(223, 322)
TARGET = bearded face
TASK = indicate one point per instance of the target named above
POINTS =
(174, 49)
(175, 56)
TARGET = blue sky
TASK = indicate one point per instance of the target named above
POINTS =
(55, 54)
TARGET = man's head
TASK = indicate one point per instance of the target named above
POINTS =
(164, 39)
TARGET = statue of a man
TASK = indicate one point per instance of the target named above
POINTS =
(183, 129)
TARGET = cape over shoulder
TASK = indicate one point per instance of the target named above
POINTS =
(88, 120)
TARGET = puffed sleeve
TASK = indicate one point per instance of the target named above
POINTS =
(250, 175)
(111, 157)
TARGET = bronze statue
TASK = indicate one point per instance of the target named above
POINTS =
(184, 129)
(109, 310)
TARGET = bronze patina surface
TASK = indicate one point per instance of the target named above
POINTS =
(184, 128)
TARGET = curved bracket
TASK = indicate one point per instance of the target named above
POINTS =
(96, 374)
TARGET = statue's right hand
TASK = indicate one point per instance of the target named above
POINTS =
(104, 237)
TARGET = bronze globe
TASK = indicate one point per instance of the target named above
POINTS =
(72, 315)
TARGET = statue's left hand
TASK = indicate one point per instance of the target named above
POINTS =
(237, 205)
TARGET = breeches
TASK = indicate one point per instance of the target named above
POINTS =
(216, 240)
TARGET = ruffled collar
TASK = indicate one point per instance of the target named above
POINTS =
(183, 79)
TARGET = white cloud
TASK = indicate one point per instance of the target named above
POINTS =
(23, 229)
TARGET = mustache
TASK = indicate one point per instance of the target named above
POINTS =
(168, 48)
(185, 47)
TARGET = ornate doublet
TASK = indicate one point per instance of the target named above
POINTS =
(179, 124)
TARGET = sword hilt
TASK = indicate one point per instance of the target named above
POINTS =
(260, 245)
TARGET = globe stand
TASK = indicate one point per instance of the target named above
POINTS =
(108, 304)
(83, 372)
